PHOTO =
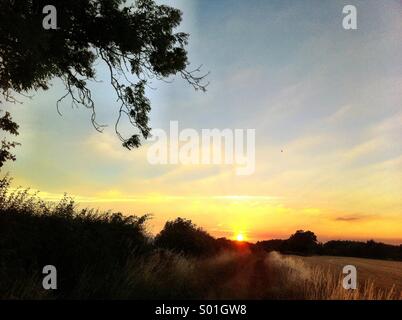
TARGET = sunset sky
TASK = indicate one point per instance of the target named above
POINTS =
(326, 104)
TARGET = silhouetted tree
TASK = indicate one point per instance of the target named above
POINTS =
(136, 39)
(302, 242)
(7, 125)
(181, 235)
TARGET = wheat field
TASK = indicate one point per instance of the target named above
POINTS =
(262, 276)
(377, 279)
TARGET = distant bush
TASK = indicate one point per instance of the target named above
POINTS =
(301, 242)
(182, 236)
(271, 245)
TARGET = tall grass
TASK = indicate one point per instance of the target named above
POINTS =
(319, 283)
(35, 233)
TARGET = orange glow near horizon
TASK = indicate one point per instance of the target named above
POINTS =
(250, 218)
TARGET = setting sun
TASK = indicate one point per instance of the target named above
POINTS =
(239, 237)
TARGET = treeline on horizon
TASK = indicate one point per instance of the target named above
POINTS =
(345, 248)
(89, 245)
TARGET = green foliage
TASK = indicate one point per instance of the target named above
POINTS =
(132, 40)
(7, 125)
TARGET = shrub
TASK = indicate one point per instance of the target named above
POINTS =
(35, 233)
(182, 236)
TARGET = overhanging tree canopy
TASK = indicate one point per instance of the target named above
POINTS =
(136, 41)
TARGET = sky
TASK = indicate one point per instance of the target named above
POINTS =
(326, 104)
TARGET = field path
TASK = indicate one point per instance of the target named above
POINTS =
(258, 279)
(246, 278)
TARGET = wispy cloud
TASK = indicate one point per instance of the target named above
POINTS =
(351, 218)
